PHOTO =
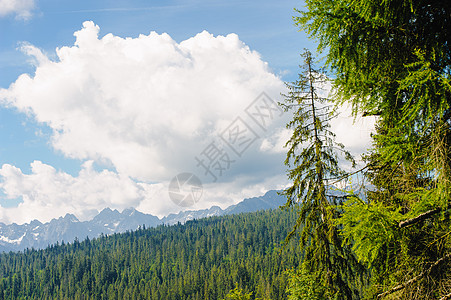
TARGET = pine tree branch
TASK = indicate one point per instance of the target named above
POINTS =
(367, 113)
(414, 279)
(340, 178)
(446, 297)
(419, 218)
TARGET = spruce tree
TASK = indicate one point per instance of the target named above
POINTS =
(314, 163)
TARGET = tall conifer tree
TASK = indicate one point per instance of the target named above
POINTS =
(314, 163)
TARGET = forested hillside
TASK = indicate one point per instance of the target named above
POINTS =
(203, 259)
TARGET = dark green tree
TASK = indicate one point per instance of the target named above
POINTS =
(312, 157)
(392, 59)
(238, 294)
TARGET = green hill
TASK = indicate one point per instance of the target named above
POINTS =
(202, 259)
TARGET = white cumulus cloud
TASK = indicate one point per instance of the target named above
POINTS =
(148, 107)
(47, 193)
(147, 104)
(21, 8)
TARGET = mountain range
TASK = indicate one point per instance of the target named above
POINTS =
(37, 235)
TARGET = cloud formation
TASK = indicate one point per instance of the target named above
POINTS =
(149, 108)
(146, 101)
(21, 8)
(47, 193)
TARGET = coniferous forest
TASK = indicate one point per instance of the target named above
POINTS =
(202, 259)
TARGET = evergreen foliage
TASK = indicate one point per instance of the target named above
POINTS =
(393, 59)
(237, 255)
(312, 157)
(238, 294)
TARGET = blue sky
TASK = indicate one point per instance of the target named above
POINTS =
(266, 26)
(117, 111)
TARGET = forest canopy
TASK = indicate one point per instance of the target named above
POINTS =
(212, 258)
